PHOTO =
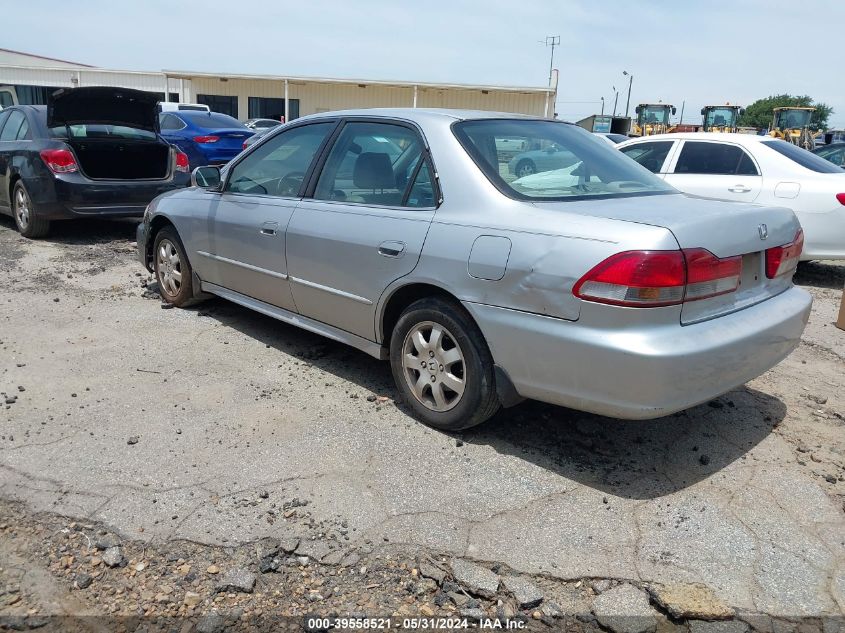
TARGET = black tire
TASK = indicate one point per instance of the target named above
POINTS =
(179, 292)
(525, 167)
(478, 400)
(27, 221)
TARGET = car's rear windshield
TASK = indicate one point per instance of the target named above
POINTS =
(210, 120)
(92, 131)
(552, 161)
(803, 157)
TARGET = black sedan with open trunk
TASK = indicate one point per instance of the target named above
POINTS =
(91, 152)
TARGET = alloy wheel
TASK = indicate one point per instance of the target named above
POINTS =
(22, 208)
(169, 267)
(434, 367)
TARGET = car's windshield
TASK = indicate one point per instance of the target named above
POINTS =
(92, 131)
(562, 161)
(654, 114)
(802, 157)
(720, 117)
(211, 120)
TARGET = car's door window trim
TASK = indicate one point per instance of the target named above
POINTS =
(224, 184)
(425, 154)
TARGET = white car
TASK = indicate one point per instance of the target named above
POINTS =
(756, 169)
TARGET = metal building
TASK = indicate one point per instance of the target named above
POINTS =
(272, 96)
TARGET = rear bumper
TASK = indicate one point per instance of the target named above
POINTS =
(75, 196)
(641, 372)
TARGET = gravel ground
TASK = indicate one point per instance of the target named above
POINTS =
(215, 442)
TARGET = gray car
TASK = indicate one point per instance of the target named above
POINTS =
(595, 286)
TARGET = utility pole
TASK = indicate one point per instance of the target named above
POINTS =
(683, 103)
(552, 40)
(630, 81)
(615, 100)
(602, 106)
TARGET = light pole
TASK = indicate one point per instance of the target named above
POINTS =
(552, 40)
(630, 81)
(602, 106)
(615, 100)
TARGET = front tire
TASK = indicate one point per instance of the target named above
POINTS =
(172, 269)
(26, 217)
(442, 366)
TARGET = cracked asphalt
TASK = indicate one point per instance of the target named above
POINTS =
(218, 425)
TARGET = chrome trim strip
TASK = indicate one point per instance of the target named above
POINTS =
(330, 290)
(234, 262)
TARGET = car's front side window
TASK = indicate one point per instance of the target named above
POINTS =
(374, 163)
(278, 166)
(714, 159)
(650, 155)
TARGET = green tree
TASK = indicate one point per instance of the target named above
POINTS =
(759, 113)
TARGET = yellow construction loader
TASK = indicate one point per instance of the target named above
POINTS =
(653, 118)
(721, 118)
(793, 124)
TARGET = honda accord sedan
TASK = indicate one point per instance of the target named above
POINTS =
(404, 234)
(92, 152)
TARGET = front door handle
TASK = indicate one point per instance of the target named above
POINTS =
(391, 249)
(739, 189)
(269, 228)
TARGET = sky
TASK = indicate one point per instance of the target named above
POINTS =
(687, 52)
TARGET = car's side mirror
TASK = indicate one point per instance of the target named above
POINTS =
(207, 177)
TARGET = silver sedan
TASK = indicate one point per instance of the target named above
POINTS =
(403, 233)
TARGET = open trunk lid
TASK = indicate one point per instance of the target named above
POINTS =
(102, 105)
(726, 229)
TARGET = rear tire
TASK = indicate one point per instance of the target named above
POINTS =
(442, 366)
(525, 167)
(172, 269)
(26, 216)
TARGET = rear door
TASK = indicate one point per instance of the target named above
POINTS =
(715, 169)
(246, 248)
(364, 224)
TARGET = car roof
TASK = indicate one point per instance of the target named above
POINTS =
(420, 115)
(733, 137)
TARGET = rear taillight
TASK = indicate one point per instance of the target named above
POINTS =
(841, 198)
(243, 146)
(659, 278)
(182, 162)
(59, 161)
(781, 260)
(206, 139)
(709, 276)
(636, 278)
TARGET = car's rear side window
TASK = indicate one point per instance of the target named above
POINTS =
(714, 159)
(374, 163)
(13, 125)
(650, 155)
(801, 156)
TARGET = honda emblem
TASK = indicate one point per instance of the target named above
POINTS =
(763, 230)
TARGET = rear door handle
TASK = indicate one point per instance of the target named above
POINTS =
(739, 189)
(391, 249)
(269, 228)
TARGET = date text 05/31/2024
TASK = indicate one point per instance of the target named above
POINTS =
(418, 624)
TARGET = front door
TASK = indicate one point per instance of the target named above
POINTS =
(246, 249)
(716, 170)
(363, 227)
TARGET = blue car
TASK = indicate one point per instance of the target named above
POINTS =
(208, 138)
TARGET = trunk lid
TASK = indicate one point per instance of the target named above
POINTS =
(229, 138)
(102, 105)
(726, 229)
